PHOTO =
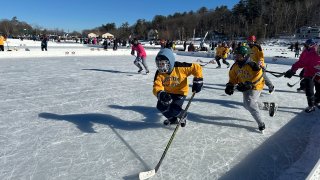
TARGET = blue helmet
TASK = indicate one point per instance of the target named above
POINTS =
(309, 42)
(165, 60)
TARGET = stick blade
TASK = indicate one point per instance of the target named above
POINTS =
(289, 85)
(147, 174)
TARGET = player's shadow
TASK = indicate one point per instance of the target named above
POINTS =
(221, 102)
(288, 154)
(222, 121)
(85, 122)
(110, 71)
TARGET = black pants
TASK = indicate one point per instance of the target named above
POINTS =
(223, 60)
(173, 109)
(1, 48)
(44, 48)
(312, 96)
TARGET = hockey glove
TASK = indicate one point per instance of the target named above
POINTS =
(197, 84)
(289, 74)
(164, 98)
(245, 86)
(229, 89)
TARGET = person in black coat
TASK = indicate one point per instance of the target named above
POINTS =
(44, 43)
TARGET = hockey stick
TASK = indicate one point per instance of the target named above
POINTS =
(276, 74)
(291, 85)
(149, 174)
(206, 63)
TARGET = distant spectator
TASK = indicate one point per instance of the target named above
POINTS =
(105, 44)
(44, 43)
(115, 44)
(184, 45)
(296, 49)
(191, 47)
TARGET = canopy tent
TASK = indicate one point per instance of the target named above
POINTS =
(92, 35)
(107, 35)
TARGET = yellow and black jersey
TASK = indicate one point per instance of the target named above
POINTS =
(2, 39)
(250, 71)
(256, 54)
(222, 51)
(177, 81)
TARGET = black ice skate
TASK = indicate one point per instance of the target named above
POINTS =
(262, 127)
(183, 121)
(271, 90)
(310, 109)
(140, 70)
(273, 107)
(169, 121)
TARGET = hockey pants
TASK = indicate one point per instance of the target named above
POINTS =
(173, 109)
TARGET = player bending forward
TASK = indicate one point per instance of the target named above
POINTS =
(171, 85)
(247, 77)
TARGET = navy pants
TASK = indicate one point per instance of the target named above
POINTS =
(312, 97)
(173, 109)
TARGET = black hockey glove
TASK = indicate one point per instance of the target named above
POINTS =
(164, 98)
(229, 89)
(245, 86)
(289, 74)
(197, 84)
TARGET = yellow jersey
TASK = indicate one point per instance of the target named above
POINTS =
(177, 81)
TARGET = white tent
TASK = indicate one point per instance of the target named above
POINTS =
(92, 35)
(107, 35)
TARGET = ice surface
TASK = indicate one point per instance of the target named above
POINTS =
(94, 117)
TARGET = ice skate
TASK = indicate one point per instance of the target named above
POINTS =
(271, 90)
(262, 127)
(273, 109)
(183, 120)
(169, 121)
(310, 109)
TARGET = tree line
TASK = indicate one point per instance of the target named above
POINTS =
(264, 18)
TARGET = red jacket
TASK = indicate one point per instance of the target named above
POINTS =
(140, 50)
(308, 60)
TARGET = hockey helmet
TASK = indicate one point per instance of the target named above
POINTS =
(165, 60)
(309, 42)
(243, 50)
(252, 38)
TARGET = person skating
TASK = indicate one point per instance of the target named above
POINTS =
(247, 77)
(2, 40)
(141, 56)
(170, 85)
(309, 60)
(256, 55)
(221, 53)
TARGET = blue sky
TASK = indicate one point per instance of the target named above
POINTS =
(77, 15)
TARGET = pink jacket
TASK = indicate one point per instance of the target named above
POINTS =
(140, 50)
(308, 60)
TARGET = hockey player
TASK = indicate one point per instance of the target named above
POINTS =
(256, 55)
(2, 40)
(221, 53)
(171, 86)
(141, 55)
(309, 60)
(247, 77)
